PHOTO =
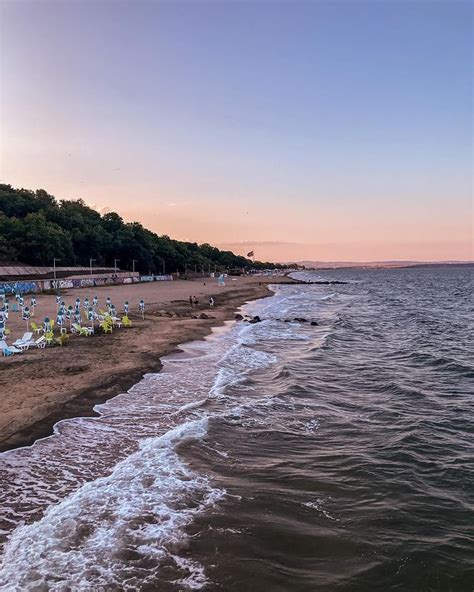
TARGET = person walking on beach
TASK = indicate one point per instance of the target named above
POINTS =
(211, 301)
(195, 301)
(191, 301)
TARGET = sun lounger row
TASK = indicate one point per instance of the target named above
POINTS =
(22, 344)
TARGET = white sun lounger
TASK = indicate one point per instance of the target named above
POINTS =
(40, 342)
(10, 349)
(25, 341)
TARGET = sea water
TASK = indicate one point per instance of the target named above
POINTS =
(278, 456)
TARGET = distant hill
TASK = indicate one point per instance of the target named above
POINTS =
(376, 264)
(35, 228)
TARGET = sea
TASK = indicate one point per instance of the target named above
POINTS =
(333, 453)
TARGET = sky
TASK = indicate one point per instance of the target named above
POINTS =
(325, 130)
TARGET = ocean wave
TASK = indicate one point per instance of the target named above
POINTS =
(118, 530)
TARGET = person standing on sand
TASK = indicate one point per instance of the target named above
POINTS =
(191, 301)
(211, 301)
(195, 301)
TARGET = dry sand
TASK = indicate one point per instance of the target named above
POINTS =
(41, 386)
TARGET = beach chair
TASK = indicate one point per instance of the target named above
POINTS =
(49, 338)
(8, 350)
(35, 328)
(106, 325)
(25, 341)
(76, 328)
(40, 343)
(116, 322)
(126, 322)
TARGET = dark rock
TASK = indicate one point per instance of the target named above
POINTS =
(203, 315)
(300, 320)
(314, 323)
(255, 319)
(239, 317)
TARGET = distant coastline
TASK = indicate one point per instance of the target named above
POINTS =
(319, 265)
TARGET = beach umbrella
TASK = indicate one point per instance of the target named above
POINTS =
(86, 304)
(77, 317)
(60, 319)
(6, 307)
(125, 307)
(26, 316)
(91, 315)
(141, 307)
(113, 310)
(33, 306)
(69, 313)
(61, 315)
(95, 301)
(58, 299)
(46, 324)
(21, 303)
(3, 323)
(78, 305)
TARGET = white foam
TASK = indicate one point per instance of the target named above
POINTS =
(140, 510)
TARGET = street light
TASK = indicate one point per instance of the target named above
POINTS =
(54, 267)
(133, 264)
(115, 265)
(91, 261)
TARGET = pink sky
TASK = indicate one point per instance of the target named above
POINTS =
(272, 137)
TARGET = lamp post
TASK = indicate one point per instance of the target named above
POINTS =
(115, 265)
(54, 267)
(91, 261)
(133, 264)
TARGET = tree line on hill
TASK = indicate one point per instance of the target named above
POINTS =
(35, 228)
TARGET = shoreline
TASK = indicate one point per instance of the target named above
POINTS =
(90, 371)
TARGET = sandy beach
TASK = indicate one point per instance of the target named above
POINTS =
(42, 386)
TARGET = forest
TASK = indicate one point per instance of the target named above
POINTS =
(35, 228)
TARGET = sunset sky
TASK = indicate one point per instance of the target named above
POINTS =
(300, 130)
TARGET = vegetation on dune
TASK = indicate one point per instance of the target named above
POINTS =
(35, 228)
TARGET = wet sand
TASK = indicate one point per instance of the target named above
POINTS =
(42, 386)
